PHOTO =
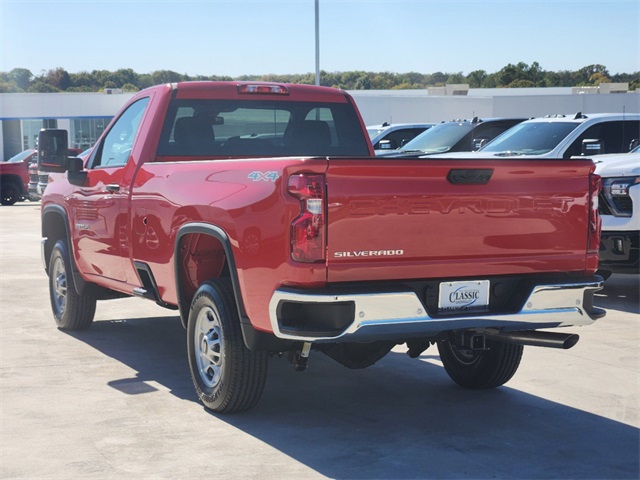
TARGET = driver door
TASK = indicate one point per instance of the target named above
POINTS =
(100, 228)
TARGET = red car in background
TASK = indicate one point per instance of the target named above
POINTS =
(14, 177)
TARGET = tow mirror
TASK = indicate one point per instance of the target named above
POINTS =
(592, 146)
(53, 148)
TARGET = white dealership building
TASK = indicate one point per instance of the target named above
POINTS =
(85, 115)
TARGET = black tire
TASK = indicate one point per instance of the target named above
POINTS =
(70, 310)
(9, 193)
(481, 369)
(228, 377)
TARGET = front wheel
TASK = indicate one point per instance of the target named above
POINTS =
(228, 377)
(480, 369)
(72, 311)
(9, 194)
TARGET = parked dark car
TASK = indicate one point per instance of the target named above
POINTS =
(455, 136)
(388, 136)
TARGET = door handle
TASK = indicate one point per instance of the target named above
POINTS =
(113, 188)
(470, 176)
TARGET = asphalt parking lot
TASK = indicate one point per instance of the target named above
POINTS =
(117, 402)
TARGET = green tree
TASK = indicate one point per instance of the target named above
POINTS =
(438, 78)
(165, 76)
(456, 78)
(129, 87)
(476, 78)
(507, 75)
(585, 73)
(145, 81)
(521, 84)
(80, 89)
(58, 78)
(40, 86)
(362, 83)
(8, 87)
(124, 76)
(81, 80)
(21, 77)
(99, 78)
(598, 78)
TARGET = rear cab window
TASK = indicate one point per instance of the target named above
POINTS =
(231, 128)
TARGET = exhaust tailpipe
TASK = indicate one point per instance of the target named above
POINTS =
(537, 339)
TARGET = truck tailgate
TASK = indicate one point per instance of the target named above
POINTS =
(442, 218)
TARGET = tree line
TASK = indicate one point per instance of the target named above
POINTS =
(519, 75)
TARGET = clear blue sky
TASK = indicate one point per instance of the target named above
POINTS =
(225, 37)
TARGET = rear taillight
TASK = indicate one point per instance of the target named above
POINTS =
(595, 223)
(308, 228)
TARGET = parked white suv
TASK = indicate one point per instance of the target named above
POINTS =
(563, 136)
(619, 206)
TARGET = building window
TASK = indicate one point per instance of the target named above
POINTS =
(31, 129)
(86, 131)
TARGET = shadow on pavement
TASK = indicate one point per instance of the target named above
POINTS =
(154, 347)
(620, 292)
(401, 418)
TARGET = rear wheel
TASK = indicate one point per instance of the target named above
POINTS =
(480, 369)
(227, 376)
(9, 193)
(72, 311)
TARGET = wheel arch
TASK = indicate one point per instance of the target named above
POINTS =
(220, 236)
(55, 226)
(254, 339)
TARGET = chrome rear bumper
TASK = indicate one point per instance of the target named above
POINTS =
(385, 315)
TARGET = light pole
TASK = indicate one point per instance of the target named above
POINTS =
(317, 42)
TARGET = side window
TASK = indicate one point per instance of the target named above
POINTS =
(116, 145)
(594, 131)
(484, 133)
(631, 136)
(399, 137)
(616, 137)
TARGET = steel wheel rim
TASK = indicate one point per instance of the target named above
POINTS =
(209, 347)
(59, 285)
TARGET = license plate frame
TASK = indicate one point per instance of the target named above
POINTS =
(464, 296)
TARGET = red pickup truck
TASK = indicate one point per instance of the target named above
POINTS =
(14, 177)
(259, 212)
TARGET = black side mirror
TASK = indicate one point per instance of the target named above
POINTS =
(53, 148)
(478, 143)
(592, 146)
(634, 143)
(77, 174)
(386, 145)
